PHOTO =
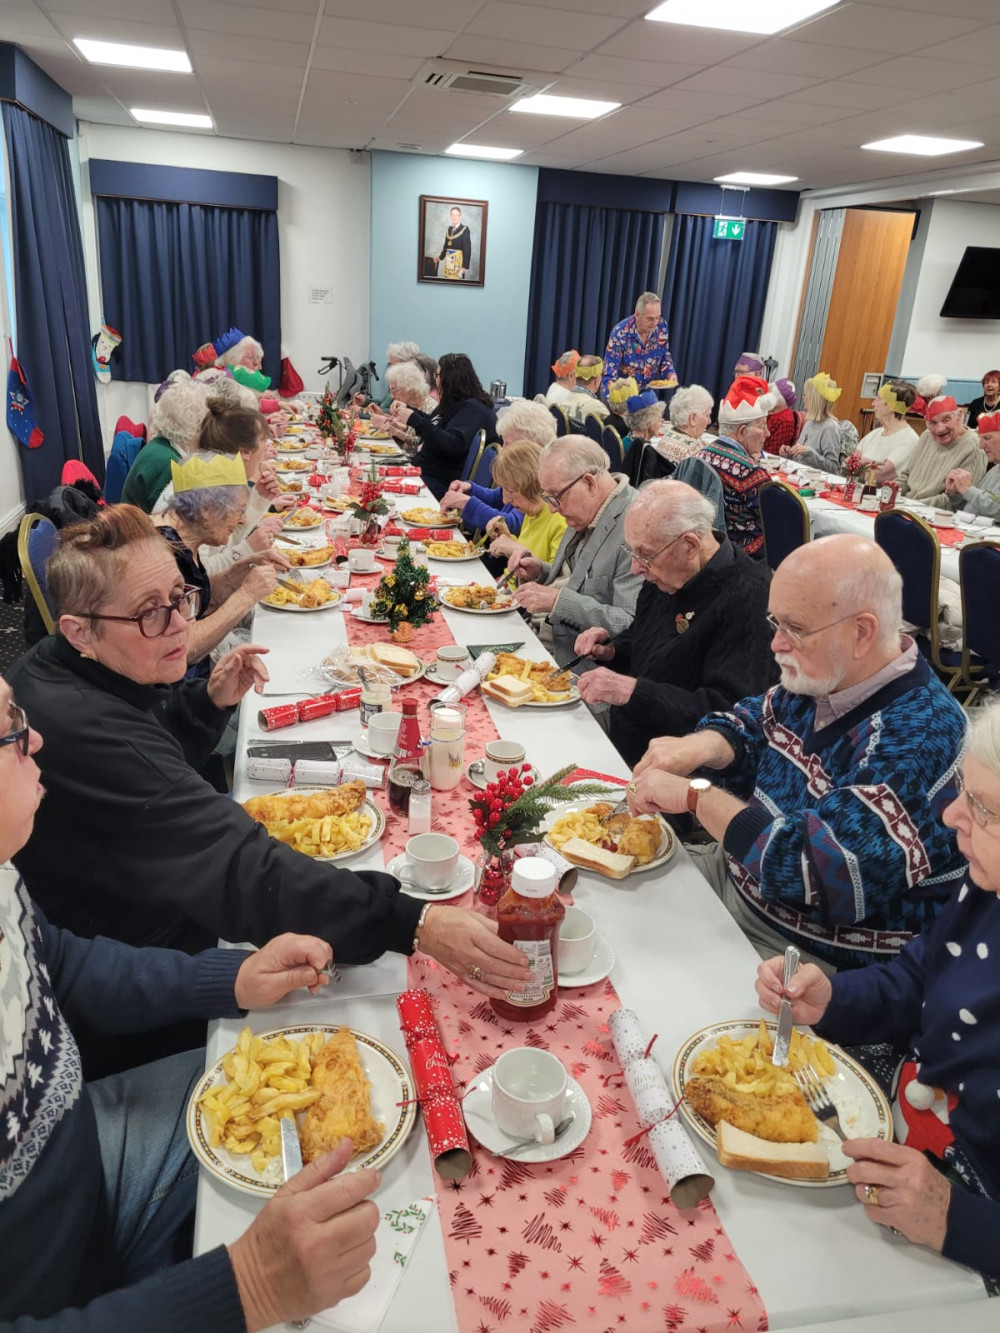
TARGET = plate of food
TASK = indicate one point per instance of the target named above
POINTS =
(366, 431)
(624, 845)
(520, 682)
(316, 595)
(293, 445)
(292, 465)
(335, 1081)
(453, 550)
(387, 663)
(480, 599)
(753, 1113)
(422, 516)
(307, 557)
(302, 520)
(326, 823)
(291, 487)
(336, 504)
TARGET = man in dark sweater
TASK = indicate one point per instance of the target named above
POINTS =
(700, 638)
(97, 1180)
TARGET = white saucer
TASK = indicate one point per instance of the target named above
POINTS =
(361, 745)
(358, 614)
(597, 969)
(477, 1109)
(462, 883)
(479, 779)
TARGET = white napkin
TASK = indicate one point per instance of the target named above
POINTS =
(395, 1238)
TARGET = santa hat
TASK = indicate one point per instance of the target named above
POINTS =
(747, 400)
(825, 386)
(749, 363)
(938, 405)
(988, 421)
(640, 400)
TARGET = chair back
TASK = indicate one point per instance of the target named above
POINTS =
(704, 478)
(124, 451)
(560, 418)
(126, 424)
(474, 454)
(482, 473)
(593, 427)
(784, 520)
(645, 463)
(979, 579)
(37, 538)
(913, 547)
(611, 443)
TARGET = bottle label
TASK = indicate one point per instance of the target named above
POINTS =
(542, 980)
(369, 707)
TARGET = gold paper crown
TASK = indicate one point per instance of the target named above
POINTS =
(590, 372)
(622, 390)
(888, 395)
(825, 386)
(208, 470)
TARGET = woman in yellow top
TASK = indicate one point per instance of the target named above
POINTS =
(516, 472)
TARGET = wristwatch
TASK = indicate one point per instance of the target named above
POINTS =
(695, 788)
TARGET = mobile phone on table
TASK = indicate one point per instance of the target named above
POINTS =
(296, 750)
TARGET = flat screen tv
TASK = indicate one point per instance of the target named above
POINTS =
(975, 288)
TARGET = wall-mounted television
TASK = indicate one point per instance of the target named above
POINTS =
(975, 288)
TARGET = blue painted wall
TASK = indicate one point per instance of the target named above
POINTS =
(489, 323)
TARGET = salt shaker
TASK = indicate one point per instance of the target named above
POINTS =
(419, 817)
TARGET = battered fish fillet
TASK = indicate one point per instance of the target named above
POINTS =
(345, 1106)
(641, 839)
(286, 807)
(785, 1119)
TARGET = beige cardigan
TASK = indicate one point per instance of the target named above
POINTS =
(922, 475)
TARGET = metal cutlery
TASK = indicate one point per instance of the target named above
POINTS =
(560, 1130)
(784, 1035)
(291, 1162)
(818, 1099)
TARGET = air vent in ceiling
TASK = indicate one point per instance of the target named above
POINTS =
(454, 76)
(411, 147)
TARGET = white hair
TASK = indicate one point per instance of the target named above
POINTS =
(234, 356)
(179, 414)
(402, 351)
(674, 507)
(691, 398)
(407, 377)
(575, 453)
(532, 420)
(930, 386)
(645, 299)
(984, 735)
(233, 394)
(646, 418)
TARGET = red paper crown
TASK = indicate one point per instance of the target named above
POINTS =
(938, 405)
(988, 421)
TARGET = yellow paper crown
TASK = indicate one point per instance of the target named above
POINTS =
(825, 386)
(590, 372)
(622, 390)
(208, 470)
(888, 395)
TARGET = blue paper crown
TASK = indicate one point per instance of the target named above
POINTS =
(227, 340)
(641, 400)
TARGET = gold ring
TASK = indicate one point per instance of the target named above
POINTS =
(475, 972)
(871, 1196)
(630, 787)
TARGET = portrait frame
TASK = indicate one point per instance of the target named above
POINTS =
(434, 262)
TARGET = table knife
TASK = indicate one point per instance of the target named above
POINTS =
(291, 1149)
(782, 1040)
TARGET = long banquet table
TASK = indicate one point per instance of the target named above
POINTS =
(682, 963)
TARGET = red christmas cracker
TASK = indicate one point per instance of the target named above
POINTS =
(436, 1092)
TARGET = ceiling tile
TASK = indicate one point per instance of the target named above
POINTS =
(384, 65)
(377, 94)
(545, 27)
(214, 16)
(984, 50)
(630, 72)
(445, 15)
(108, 28)
(967, 9)
(643, 41)
(612, 8)
(881, 28)
(103, 110)
(398, 39)
(710, 104)
(262, 50)
(509, 55)
(21, 24)
(920, 73)
(819, 60)
(786, 112)
(606, 89)
(140, 11)
(744, 82)
(851, 96)
(262, 81)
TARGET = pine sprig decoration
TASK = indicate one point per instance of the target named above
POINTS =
(512, 808)
(403, 595)
(328, 418)
(371, 502)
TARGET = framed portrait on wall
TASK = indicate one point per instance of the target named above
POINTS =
(452, 241)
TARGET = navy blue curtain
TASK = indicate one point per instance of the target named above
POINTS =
(53, 335)
(174, 276)
(588, 266)
(714, 298)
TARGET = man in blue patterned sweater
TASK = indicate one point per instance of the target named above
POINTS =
(826, 793)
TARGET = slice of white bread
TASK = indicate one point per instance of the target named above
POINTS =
(510, 690)
(591, 857)
(397, 659)
(746, 1152)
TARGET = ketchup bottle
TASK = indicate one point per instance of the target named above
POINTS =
(528, 916)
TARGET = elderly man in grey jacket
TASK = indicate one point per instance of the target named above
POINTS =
(589, 581)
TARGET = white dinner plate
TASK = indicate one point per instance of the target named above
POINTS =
(465, 876)
(335, 600)
(376, 820)
(573, 698)
(345, 682)
(478, 1111)
(861, 1105)
(475, 610)
(285, 466)
(291, 446)
(303, 527)
(390, 1085)
(445, 520)
(358, 614)
(668, 843)
(468, 553)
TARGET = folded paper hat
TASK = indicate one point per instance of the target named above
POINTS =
(640, 400)
(202, 470)
(988, 421)
(825, 386)
(786, 388)
(590, 372)
(622, 390)
(566, 364)
(747, 400)
(750, 363)
(938, 405)
(888, 395)
(251, 379)
(226, 340)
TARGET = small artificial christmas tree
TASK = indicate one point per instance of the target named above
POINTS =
(403, 596)
(370, 506)
(328, 418)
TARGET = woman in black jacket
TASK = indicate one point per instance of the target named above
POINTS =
(464, 409)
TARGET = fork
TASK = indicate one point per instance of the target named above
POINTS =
(818, 1099)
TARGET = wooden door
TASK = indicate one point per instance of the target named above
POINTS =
(870, 264)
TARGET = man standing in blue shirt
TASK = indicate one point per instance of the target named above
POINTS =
(640, 346)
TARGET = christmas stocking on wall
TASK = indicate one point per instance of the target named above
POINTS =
(104, 342)
(20, 411)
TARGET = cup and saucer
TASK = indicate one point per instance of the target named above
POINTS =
(527, 1095)
(432, 868)
(585, 956)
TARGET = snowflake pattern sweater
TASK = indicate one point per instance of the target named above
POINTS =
(841, 846)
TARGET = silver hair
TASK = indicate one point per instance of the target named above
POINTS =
(403, 351)
(233, 355)
(645, 299)
(206, 504)
(984, 735)
(533, 420)
(575, 453)
(691, 398)
(232, 394)
(674, 507)
(179, 414)
(646, 417)
(878, 591)
(408, 377)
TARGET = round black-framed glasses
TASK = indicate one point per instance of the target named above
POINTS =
(153, 622)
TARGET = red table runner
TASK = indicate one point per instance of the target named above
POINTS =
(946, 536)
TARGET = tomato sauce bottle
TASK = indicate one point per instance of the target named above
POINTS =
(528, 916)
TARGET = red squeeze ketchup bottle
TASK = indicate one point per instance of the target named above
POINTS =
(528, 916)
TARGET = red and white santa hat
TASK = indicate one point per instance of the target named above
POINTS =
(748, 399)
(938, 405)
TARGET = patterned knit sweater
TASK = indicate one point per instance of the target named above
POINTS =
(742, 477)
(841, 846)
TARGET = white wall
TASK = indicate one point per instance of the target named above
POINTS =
(323, 231)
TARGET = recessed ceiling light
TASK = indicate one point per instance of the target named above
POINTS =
(580, 108)
(191, 119)
(753, 178)
(922, 145)
(737, 16)
(133, 57)
(480, 150)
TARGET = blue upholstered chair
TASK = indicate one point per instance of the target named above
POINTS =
(704, 478)
(474, 455)
(979, 578)
(593, 427)
(124, 451)
(482, 473)
(611, 443)
(37, 538)
(784, 520)
(913, 547)
(560, 418)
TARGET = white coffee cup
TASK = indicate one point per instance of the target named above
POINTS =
(391, 543)
(383, 728)
(431, 861)
(529, 1093)
(333, 489)
(577, 938)
(338, 578)
(452, 659)
(361, 560)
(367, 598)
(501, 755)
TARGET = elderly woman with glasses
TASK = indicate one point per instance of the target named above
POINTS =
(938, 1001)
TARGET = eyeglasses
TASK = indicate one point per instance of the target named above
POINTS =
(553, 501)
(645, 561)
(153, 623)
(795, 636)
(982, 814)
(18, 735)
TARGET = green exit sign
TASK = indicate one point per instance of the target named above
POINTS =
(729, 229)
